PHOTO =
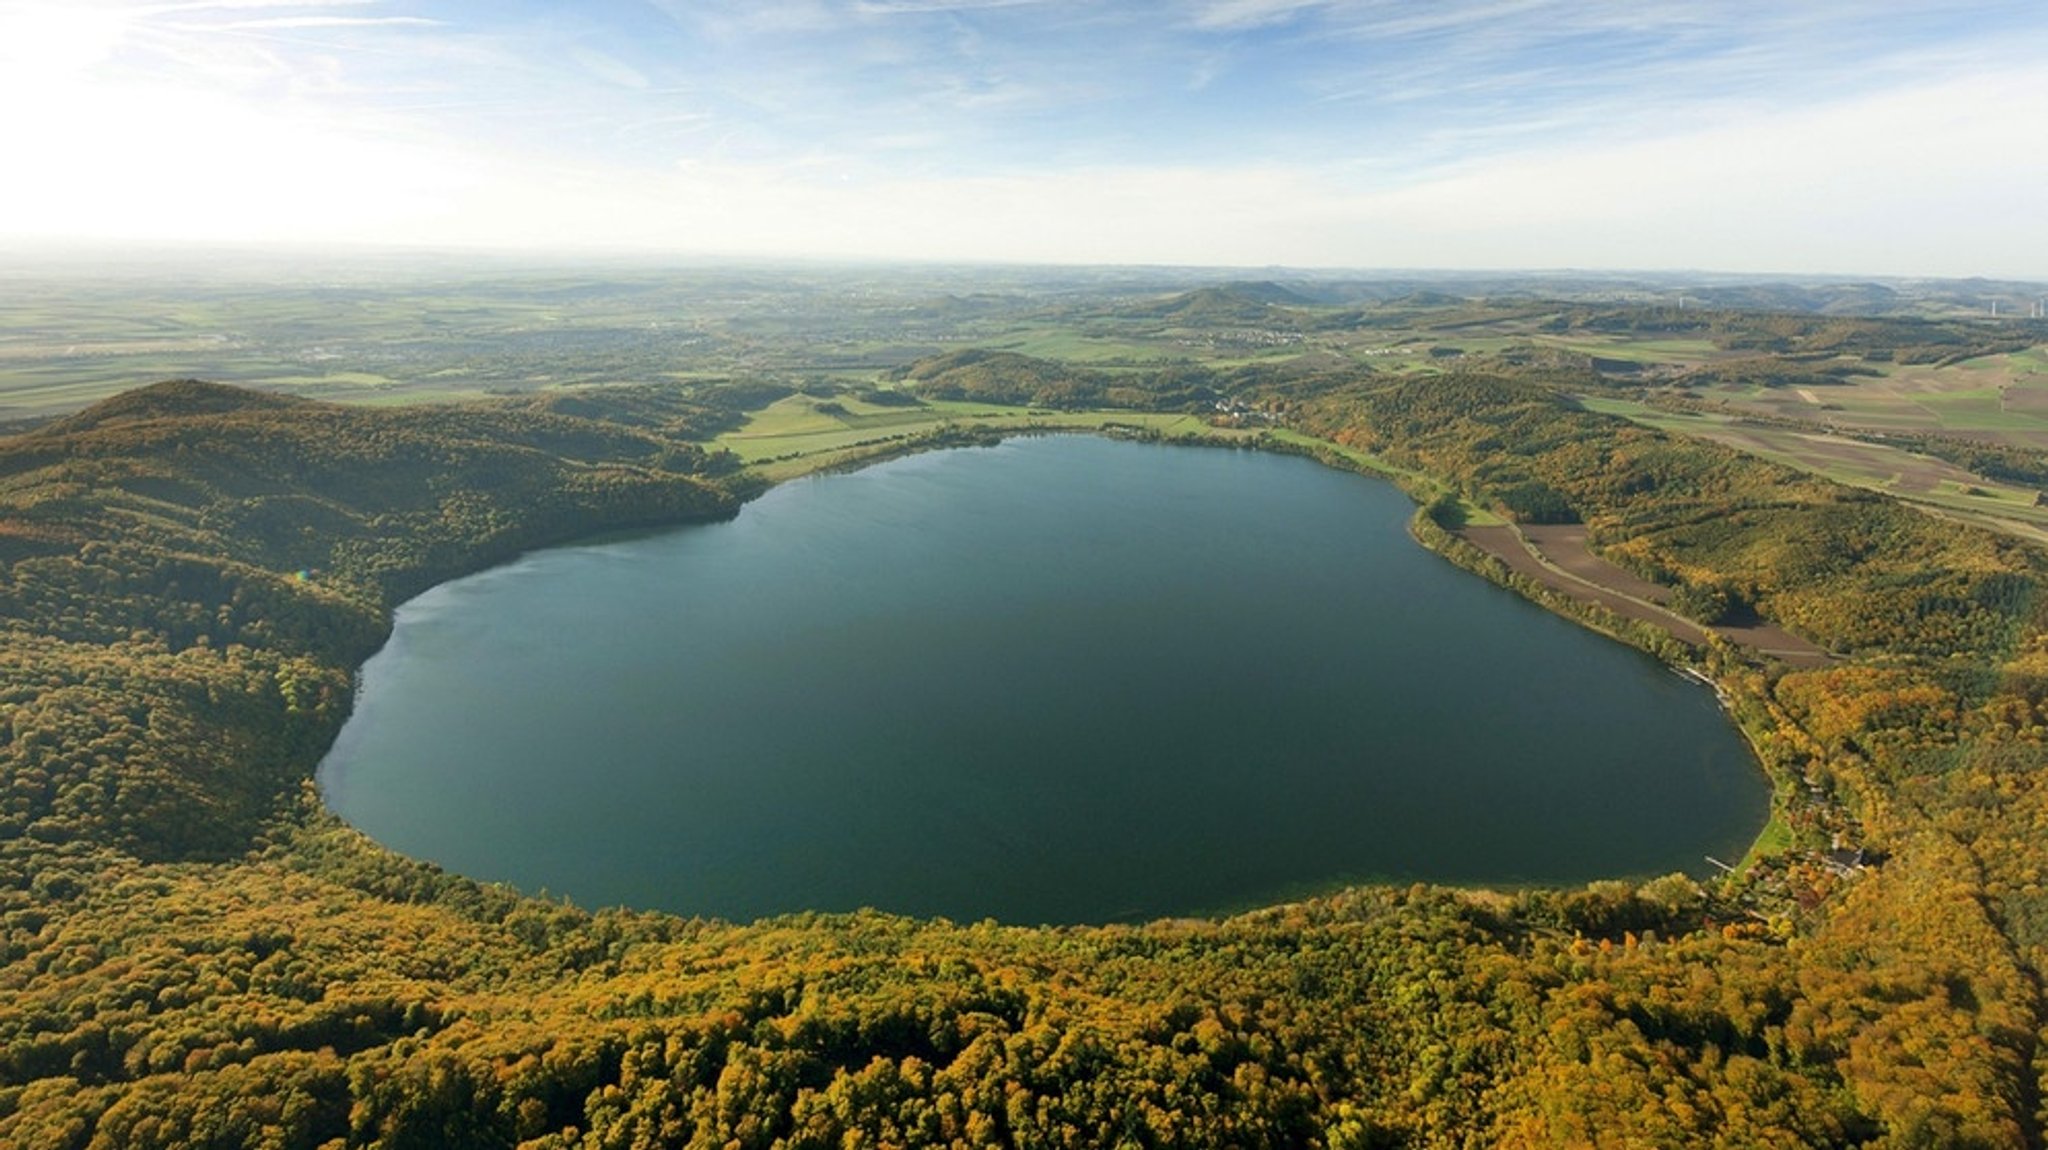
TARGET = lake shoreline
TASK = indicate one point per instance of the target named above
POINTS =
(1224, 901)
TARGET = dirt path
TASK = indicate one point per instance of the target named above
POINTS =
(1559, 557)
(1565, 545)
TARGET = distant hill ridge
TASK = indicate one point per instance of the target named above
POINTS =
(1244, 301)
(1261, 291)
(173, 399)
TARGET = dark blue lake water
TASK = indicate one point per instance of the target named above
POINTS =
(1064, 679)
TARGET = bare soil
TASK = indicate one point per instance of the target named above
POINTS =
(1559, 557)
(1565, 545)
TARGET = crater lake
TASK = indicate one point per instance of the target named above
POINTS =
(1062, 679)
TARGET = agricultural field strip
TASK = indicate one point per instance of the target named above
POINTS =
(1676, 352)
(1511, 547)
(793, 436)
(799, 416)
(1916, 479)
(1567, 547)
(1990, 396)
(1560, 560)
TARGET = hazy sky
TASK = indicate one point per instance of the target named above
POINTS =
(1879, 136)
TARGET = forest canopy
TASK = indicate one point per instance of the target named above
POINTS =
(193, 953)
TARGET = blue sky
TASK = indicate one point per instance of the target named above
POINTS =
(1902, 137)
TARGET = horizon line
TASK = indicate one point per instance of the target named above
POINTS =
(108, 251)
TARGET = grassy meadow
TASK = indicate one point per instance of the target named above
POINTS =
(802, 433)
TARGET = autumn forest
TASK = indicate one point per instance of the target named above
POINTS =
(194, 952)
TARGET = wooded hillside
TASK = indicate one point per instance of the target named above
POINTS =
(193, 953)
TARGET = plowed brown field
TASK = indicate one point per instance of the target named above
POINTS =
(1558, 557)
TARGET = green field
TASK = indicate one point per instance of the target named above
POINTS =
(1672, 351)
(1084, 347)
(793, 435)
(1775, 839)
(2002, 398)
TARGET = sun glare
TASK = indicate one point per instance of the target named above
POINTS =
(41, 42)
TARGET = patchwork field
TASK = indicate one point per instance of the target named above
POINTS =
(1930, 483)
(1997, 398)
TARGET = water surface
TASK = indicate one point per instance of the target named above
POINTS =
(1063, 679)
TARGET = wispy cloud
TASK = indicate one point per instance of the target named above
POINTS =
(287, 22)
(1229, 14)
(245, 5)
(1142, 126)
(920, 7)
